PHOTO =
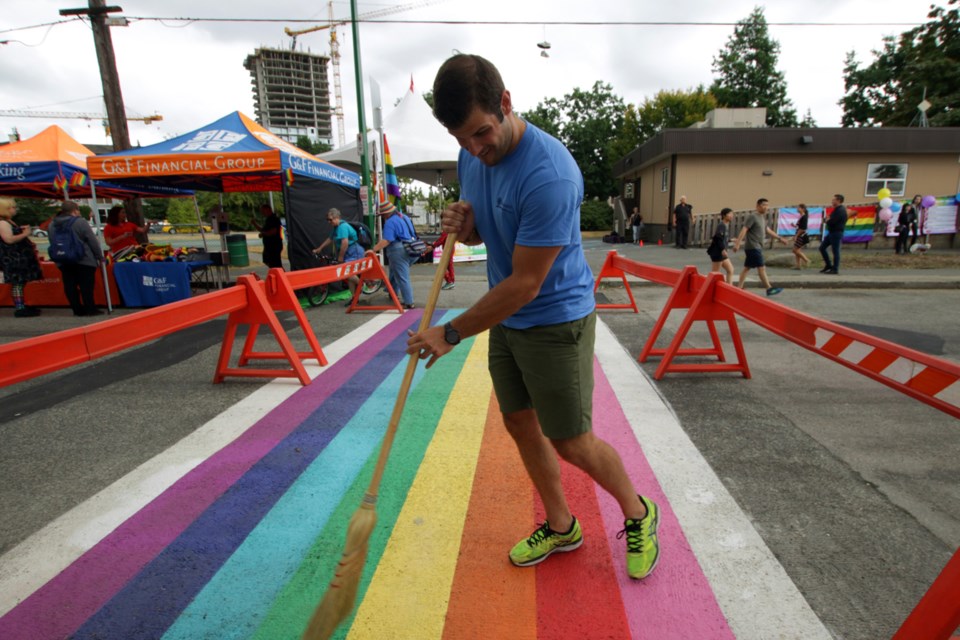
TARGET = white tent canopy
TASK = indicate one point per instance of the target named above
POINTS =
(420, 147)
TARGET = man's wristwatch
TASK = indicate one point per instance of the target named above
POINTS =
(451, 335)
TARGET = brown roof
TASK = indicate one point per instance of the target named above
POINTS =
(878, 140)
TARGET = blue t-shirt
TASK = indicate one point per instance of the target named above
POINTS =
(397, 228)
(343, 230)
(532, 198)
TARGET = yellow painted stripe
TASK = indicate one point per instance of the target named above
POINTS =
(420, 559)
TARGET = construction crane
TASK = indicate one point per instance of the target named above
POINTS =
(59, 115)
(332, 24)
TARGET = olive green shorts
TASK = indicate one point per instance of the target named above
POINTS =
(548, 369)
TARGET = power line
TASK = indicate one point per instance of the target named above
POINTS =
(555, 23)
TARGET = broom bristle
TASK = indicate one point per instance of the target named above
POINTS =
(339, 599)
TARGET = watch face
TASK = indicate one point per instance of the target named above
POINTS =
(451, 335)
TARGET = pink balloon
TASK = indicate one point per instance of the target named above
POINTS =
(928, 201)
(885, 215)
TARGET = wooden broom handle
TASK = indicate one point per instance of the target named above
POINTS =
(411, 369)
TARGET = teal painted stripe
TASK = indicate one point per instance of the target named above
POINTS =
(288, 616)
(232, 605)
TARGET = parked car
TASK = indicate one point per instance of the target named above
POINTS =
(37, 232)
(182, 227)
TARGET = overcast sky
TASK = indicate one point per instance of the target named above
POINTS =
(192, 72)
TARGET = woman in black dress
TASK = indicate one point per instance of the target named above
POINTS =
(18, 257)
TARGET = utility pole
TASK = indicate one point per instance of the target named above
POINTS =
(97, 11)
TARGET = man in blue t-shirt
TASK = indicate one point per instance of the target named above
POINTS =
(520, 195)
(397, 228)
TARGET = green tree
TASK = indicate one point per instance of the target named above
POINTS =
(546, 116)
(588, 123)
(181, 211)
(595, 215)
(748, 75)
(674, 110)
(311, 147)
(33, 211)
(924, 63)
(808, 122)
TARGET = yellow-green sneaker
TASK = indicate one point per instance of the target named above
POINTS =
(643, 545)
(543, 542)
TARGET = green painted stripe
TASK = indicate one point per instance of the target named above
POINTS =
(292, 608)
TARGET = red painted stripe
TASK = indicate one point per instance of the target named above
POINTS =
(577, 592)
(490, 598)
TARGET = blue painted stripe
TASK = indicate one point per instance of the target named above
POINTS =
(149, 604)
(232, 605)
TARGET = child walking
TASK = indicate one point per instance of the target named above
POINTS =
(718, 246)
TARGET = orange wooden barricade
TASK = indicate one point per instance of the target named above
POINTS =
(252, 302)
(933, 381)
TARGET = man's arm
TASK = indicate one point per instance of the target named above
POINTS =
(529, 269)
(773, 234)
(739, 238)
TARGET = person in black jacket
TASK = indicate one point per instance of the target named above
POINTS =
(718, 246)
(835, 225)
(907, 222)
(682, 216)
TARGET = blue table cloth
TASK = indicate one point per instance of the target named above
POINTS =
(151, 284)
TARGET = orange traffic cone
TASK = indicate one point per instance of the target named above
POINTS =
(641, 243)
(659, 241)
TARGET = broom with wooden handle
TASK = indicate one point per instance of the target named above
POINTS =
(337, 602)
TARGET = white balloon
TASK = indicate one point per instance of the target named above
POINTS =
(886, 203)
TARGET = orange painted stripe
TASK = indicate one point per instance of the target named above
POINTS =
(578, 595)
(490, 598)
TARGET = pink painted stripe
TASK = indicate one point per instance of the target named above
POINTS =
(676, 601)
(59, 607)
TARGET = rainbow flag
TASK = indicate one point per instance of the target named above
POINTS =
(389, 175)
(78, 179)
(59, 183)
(860, 223)
(289, 175)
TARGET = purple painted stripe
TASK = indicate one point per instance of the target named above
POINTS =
(63, 604)
(677, 600)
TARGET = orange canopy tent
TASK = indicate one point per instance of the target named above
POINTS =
(53, 165)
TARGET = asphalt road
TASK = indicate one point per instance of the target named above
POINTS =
(854, 487)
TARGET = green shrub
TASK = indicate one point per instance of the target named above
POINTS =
(595, 215)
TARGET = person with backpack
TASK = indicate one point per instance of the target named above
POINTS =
(77, 253)
(19, 263)
(346, 245)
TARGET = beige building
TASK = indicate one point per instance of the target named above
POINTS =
(716, 165)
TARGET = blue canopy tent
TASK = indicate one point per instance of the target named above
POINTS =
(53, 165)
(235, 153)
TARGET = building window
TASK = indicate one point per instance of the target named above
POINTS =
(664, 179)
(890, 176)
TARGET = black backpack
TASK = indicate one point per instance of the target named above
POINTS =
(364, 239)
(65, 245)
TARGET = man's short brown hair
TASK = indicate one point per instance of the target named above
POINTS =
(463, 82)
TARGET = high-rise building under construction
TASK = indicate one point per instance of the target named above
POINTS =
(291, 93)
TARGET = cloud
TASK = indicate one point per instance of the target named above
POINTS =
(192, 72)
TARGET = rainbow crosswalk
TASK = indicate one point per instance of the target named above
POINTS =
(235, 531)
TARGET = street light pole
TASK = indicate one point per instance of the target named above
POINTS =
(364, 147)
